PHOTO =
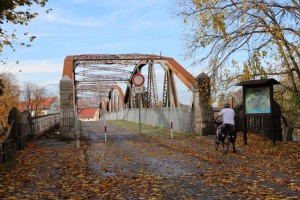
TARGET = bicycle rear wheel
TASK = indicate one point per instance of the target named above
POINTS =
(217, 142)
(226, 145)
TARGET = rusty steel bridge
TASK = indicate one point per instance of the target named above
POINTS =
(105, 81)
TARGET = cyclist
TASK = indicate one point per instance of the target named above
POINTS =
(228, 123)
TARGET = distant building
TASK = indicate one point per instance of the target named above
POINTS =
(42, 107)
(88, 114)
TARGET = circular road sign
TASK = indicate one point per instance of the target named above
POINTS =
(138, 80)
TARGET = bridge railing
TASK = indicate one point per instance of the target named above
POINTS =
(19, 134)
(43, 124)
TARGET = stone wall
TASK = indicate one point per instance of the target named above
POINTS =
(67, 125)
(203, 111)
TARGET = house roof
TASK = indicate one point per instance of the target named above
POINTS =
(87, 112)
(269, 81)
(45, 104)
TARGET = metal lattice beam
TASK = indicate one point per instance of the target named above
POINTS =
(152, 96)
(165, 89)
(106, 70)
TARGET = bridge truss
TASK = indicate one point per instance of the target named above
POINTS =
(97, 78)
(98, 81)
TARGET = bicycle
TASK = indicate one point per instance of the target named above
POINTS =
(224, 138)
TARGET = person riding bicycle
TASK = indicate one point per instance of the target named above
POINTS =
(228, 126)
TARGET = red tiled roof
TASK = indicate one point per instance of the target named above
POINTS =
(87, 112)
(45, 104)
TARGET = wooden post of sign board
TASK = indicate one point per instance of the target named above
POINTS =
(244, 120)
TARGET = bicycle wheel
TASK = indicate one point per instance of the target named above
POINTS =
(217, 142)
(226, 145)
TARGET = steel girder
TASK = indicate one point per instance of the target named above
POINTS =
(108, 59)
(152, 96)
(114, 77)
(103, 58)
(98, 73)
(116, 68)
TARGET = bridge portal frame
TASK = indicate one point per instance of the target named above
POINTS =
(203, 112)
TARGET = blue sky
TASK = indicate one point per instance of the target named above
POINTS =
(95, 27)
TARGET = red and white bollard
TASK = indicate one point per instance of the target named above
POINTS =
(105, 130)
(171, 127)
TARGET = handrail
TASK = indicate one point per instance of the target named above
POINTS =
(9, 129)
(42, 124)
(16, 138)
(35, 117)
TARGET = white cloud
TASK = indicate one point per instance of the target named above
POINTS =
(42, 72)
(105, 13)
(87, 26)
(37, 66)
(57, 17)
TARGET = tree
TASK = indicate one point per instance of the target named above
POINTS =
(245, 39)
(16, 12)
(9, 98)
(33, 96)
(1, 87)
(288, 102)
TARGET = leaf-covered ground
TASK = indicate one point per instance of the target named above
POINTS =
(155, 167)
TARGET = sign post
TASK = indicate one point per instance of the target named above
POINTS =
(258, 100)
(138, 81)
(171, 112)
(105, 129)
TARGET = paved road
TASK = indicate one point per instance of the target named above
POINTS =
(187, 169)
(153, 167)
(125, 154)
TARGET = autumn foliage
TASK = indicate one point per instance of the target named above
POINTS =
(134, 169)
(17, 13)
(246, 40)
(9, 98)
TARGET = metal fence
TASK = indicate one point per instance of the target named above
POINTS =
(19, 134)
(43, 124)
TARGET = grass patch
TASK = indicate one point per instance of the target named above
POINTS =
(150, 130)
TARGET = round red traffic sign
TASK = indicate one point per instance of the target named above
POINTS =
(138, 80)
